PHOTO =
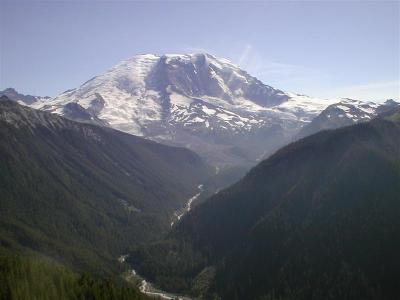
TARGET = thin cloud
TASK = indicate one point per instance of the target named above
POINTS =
(277, 73)
(306, 80)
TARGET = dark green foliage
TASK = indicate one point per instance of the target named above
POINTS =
(320, 219)
(33, 277)
(82, 194)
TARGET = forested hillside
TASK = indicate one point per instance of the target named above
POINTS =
(320, 219)
(36, 277)
(82, 194)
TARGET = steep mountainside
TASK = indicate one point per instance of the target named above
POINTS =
(197, 101)
(320, 219)
(83, 193)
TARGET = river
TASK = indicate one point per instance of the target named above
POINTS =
(146, 287)
(179, 214)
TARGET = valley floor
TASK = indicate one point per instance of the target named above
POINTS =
(180, 213)
(147, 288)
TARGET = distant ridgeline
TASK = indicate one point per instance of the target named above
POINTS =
(81, 194)
(320, 219)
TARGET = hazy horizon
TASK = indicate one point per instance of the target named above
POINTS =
(321, 49)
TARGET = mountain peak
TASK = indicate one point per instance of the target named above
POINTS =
(190, 100)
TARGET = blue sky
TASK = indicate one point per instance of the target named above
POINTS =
(319, 48)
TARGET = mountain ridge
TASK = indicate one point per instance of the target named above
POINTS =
(346, 112)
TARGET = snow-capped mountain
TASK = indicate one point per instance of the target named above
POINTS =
(197, 101)
(346, 112)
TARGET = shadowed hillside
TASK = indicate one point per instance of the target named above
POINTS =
(320, 219)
